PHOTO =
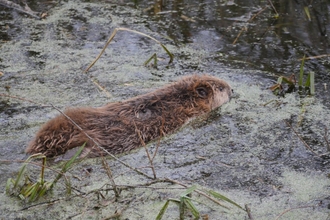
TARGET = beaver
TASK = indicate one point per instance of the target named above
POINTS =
(122, 126)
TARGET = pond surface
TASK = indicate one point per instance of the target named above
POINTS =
(269, 152)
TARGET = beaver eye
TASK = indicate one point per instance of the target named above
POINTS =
(202, 92)
(220, 88)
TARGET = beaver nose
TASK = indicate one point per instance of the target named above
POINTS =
(230, 92)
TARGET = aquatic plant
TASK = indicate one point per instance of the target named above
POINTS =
(288, 84)
(31, 191)
(185, 203)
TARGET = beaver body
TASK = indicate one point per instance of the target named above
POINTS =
(122, 126)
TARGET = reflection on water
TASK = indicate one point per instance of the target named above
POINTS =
(267, 41)
(263, 39)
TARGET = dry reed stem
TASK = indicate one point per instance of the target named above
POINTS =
(27, 10)
(129, 30)
(302, 140)
(102, 88)
(109, 173)
(146, 149)
(271, 4)
(326, 138)
(315, 57)
(288, 210)
(243, 28)
(248, 210)
(23, 99)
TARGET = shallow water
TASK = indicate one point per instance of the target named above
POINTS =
(245, 150)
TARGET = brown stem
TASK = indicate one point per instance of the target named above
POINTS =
(243, 28)
(302, 140)
(12, 5)
(145, 147)
(109, 173)
(326, 138)
(288, 210)
(248, 210)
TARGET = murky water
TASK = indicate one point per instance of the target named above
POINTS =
(245, 150)
(268, 42)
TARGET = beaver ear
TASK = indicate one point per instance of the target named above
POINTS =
(202, 92)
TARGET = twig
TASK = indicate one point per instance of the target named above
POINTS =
(239, 34)
(157, 147)
(271, 3)
(109, 173)
(101, 88)
(19, 8)
(248, 210)
(161, 134)
(119, 212)
(326, 139)
(315, 57)
(302, 140)
(145, 147)
(23, 99)
(288, 210)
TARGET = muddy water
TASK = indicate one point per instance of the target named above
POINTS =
(245, 150)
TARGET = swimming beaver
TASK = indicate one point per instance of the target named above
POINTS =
(122, 126)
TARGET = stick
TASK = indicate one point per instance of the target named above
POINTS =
(19, 8)
(302, 140)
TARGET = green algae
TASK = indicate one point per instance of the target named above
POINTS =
(245, 151)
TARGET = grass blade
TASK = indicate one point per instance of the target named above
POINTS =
(279, 80)
(301, 73)
(192, 208)
(35, 190)
(219, 196)
(307, 13)
(188, 191)
(168, 52)
(68, 185)
(288, 81)
(162, 211)
(9, 182)
(45, 188)
(311, 78)
(19, 176)
(153, 57)
(181, 208)
(68, 164)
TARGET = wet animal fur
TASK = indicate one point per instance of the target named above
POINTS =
(122, 126)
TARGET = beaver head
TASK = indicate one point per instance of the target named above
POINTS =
(211, 91)
(196, 94)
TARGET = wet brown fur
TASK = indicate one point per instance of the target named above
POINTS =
(119, 127)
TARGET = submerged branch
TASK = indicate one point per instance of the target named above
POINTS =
(26, 10)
